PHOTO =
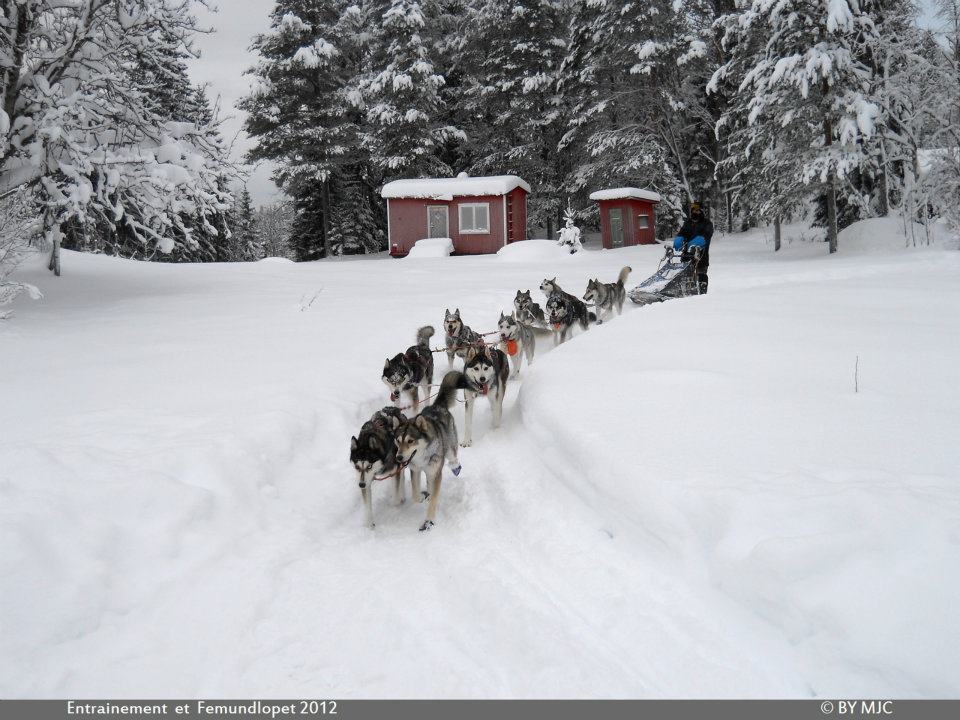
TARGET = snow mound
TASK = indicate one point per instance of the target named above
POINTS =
(431, 248)
(279, 260)
(527, 250)
(886, 234)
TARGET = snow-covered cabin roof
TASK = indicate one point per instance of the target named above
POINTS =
(449, 188)
(625, 192)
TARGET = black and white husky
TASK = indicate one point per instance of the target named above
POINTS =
(487, 371)
(460, 338)
(564, 310)
(516, 340)
(607, 296)
(407, 372)
(373, 455)
(424, 442)
(527, 311)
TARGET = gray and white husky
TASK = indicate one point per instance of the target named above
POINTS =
(487, 371)
(516, 340)
(373, 455)
(607, 296)
(424, 442)
(408, 371)
(527, 311)
(564, 310)
(459, 337)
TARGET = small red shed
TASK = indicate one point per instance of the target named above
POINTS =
(479, 214)
(627, 216)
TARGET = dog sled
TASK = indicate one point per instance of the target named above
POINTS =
(676, 277)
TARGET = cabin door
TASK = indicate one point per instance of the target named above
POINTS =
(438, 221)
(616, 228)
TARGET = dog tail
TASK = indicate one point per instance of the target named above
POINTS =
(424, 334)
(623, 275)
(452, 381)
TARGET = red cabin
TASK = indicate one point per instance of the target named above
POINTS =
(627, 216)
(479, 214)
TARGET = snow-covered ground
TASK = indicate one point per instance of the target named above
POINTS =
(689, 501)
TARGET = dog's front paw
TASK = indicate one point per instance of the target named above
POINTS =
(427, 524)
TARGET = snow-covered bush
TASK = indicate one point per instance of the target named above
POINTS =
(570, 234)
(18, 226)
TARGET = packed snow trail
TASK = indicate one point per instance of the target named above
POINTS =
(688, 501)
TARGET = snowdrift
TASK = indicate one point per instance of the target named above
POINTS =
(887, 234)
(431, 248)
(691, 500)
(533, 250)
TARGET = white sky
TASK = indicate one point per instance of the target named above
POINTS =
(224, 56)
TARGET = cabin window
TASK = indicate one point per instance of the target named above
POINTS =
(475, 218)
(644, 222)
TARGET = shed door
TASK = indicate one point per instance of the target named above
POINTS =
(616, 228)
(438, 221)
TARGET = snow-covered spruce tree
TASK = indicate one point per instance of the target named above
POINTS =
(79, 130)
(244, 244)
(803, 73)
(273, 224)
(637, 107)
(355, 225)
(906, 85)
(307, 115)
(405, 129)
(513, 50)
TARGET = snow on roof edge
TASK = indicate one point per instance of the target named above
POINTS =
(625, 192)
(448, 188)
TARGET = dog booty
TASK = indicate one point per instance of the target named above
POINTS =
(457, 469)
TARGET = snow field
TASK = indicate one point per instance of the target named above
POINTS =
(689, 501)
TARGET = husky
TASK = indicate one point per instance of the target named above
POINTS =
(563, 315)
(564, 310)
(423, 443)
(459, 337)
(487, 371)
(409, 371)
(516, 340)
(606, 296)
(527, 311)
(373, 455)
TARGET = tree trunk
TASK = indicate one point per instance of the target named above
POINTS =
(728, 196)
(326, 219)
(52, 231)
(884, 183)
(776, 233)
(831, 191)
(549, 228)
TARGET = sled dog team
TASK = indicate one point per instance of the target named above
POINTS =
(391, 442)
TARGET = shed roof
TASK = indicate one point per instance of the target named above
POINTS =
(449, 188)
(625, 192)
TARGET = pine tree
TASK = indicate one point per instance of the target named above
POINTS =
(308, 116)
(514, 49)
(802, 77)
(401, 90)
